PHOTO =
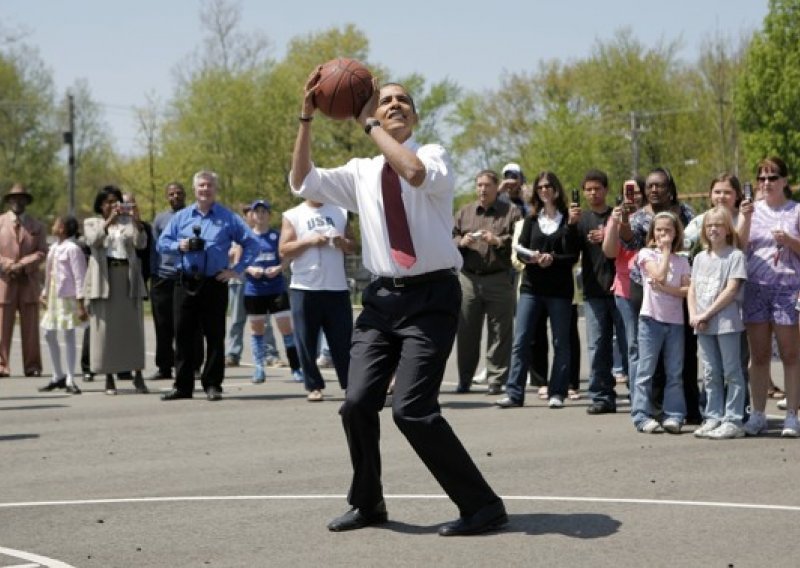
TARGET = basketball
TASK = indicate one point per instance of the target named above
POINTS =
(344, 87)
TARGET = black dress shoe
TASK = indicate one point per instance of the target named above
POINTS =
(357, 518)
(600, 408)
(53, 385)
(489, 518)
(495, 390)
(33, 372)
(138, 383)
(461, 389)
(213, 394)
(73, 389)
(175, 394)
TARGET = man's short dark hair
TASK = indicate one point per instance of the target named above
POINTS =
(405, 90)
(489, 173)
(595, 175)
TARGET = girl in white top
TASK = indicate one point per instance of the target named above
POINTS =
(62, 298)
(666, 283)
(715, 298)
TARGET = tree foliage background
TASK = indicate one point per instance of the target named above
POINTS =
(624, 107)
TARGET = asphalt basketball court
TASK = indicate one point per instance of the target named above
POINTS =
(130, 481)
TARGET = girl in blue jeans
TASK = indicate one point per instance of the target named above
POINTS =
(666, 278)
(715, 304)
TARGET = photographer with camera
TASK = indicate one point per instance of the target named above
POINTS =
(114, 288)
(200, 236)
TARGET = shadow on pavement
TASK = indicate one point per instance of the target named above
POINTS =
(36, 407)
(14, 437)
(576, 525)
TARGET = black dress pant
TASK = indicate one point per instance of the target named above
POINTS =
(161, 298)
(409, 333)
(199, 304)
(162, 293)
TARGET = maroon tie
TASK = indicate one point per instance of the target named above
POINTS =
(396, 221)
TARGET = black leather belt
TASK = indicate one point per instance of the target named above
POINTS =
(403, 281)
(118, 262)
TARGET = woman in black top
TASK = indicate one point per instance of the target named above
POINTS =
(546, 283)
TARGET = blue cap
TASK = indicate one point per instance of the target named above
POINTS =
(260, 203)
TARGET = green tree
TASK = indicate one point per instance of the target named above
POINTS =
(767, 105)
(29, 137)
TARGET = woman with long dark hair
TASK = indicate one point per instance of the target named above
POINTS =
(547, 282)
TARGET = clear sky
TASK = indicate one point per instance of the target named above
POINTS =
(128, 48)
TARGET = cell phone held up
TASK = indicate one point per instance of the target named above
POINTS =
(747, 189)
(576, 197)
(630, 193)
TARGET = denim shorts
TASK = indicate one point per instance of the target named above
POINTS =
(769, 304)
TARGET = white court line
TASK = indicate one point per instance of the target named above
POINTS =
(41, 560)
(606, 500)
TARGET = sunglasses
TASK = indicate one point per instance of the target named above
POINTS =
(768, 178)
(544, 186)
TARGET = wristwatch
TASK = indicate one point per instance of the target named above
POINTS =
(370, 124)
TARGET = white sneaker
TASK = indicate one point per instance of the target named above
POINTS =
(782, 404)
(757, 424)
(672, 425)
(791, 427)
(480, 378)
(650, 426)
(706, 428)
(555, 402)
(324, 362)
(726, 431)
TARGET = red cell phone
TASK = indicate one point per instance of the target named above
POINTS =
(630, 192)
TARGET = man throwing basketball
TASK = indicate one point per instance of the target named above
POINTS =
(404, 197)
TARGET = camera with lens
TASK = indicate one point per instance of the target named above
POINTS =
(196, 243)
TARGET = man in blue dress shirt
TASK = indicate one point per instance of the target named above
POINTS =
(199, 237)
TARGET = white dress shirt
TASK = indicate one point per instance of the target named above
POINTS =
(356, 186)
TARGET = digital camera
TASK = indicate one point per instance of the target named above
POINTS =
(196, 243)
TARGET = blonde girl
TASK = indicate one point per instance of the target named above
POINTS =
(715, 302)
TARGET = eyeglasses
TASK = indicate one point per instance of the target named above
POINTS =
(544, 186)
(764, 179)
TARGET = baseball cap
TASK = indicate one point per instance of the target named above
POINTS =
(261, 203)
(512, 168)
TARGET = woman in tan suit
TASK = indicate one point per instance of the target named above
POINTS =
(114, 288)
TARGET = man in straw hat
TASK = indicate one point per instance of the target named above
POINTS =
(22, 249)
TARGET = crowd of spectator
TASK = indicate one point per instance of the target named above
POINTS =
(696, 305)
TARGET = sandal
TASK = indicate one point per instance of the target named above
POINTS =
(774, 392)
(543, 393)
(574, 394)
